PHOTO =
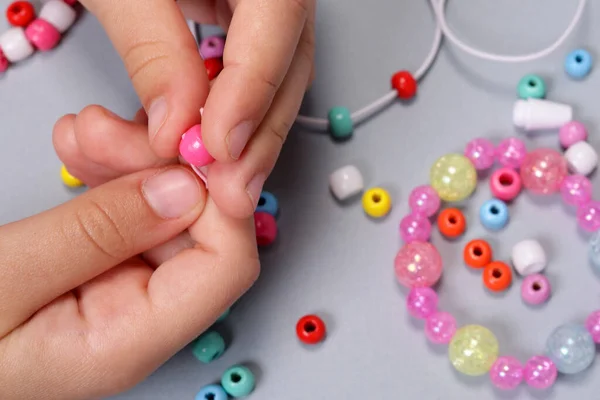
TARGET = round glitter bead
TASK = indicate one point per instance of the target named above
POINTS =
(418, 264)
(576, 190)
(588, 216)
(481, 152)
(592, 324)
(473, 350)
(453, 177)
(540, 372)
(571, 133)
(511, 152)
(543, 170)
(421, 302)
(424, 200)
(571, 348)
(415, 227)
(440, 327)
(506, 373)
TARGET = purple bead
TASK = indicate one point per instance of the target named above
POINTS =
(571, 133)
(540, 372)
(424, 200)
(511, 152)
(481, 152)
(588, 216)
(592, 324)
(576, 190)
(421, 302)
(440, 327)
(535, 289)
(415, 228)
(212, 47)
(506, 373)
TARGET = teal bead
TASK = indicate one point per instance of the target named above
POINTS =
(238, 381)
(209, 347)
(532, 86)
(224, 315)
(340, 123)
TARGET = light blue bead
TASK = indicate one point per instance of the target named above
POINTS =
(494, 214)
(578, 64)
(238, 381)
(224, 315)
(268, 203)
(340, 123)
(212, 392)
(209, 347)
(594, 251)
(571, 348)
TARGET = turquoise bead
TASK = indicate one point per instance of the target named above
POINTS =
(238, 381)
(212, 392)
(209, 347)
(340, 123)
(571, 348)
(224, 315)
(532, 86)
(578, 64)
(268, 203)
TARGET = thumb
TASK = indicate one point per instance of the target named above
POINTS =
(162, 59)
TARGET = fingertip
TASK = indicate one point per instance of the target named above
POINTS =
(228, 190)
(63, 136)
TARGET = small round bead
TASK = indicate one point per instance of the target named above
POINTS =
(453, 177)
(211, 392)
(581, 158)
(588, 216)
(415, 228)
(422, 302)
(531, 86)
(571, 133)
(238, 381)
(576, 190)
(477, 253)
(451, 222)
(571, 348)
(540, 372)
(506, 373)
(377, 202)
(192, 149)
(505, 184)
(209, 347)
(481, 152)
(511, 152)
(473, 350)
(15, 46)
(440, 327)
(267, 202)
(424, 200)
(346, 182)
(224, 315)
(3, 62)
(20, 13)
(405, 84)
(266, 228)
(578, 64)
(59, 14)
(528, 257)
(68, 179)
(213, 67)
(535, 289)
(494, 214)
(543, 170)
(212, 47)
(497, 276)
(42, 35)
(71, 2)
(418, 264)
(310, 329)
(592, 323)
(594, 251)
(340, 123)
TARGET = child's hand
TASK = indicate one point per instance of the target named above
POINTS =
(254, 101)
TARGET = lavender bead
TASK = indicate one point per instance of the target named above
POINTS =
(212, 47)
(576, 190)
(481, 152)
(424, 200)
(506, 373)
(511, 152)
(415, 228)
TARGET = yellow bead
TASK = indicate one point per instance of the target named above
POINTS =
(69, 179)
(473, 350)
(377, 202)
(453, 177)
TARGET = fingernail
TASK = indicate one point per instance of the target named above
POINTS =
(172, 193)
(238, 137)
(157, 115)
(255, 187)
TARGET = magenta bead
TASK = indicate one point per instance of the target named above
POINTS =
(592, 324)
(571, 133)
(588, 216)
(192, 147)
(3, 62)
(212, 47)
(540, 372)
(421, 302)
(576, 190)
(42, 34)
(543, 170)
(511, 152)
(424, 200)
(265, 227)
(418, 264)
(415, 227)
(440, 327)
(481, 152)
(506, 373)
(535, 289)
(70, 2)
(505, 184)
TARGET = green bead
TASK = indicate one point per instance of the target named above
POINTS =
(238, 381)
(340, 123)
(473, 350)
(209, 347)
(453, 177)
(224, 315)
(532, 86)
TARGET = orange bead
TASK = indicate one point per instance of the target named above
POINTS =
(477, 253)
(497, 276)
(451, 222)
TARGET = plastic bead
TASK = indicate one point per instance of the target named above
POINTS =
(377, 202)
(68, 179)
(268, 203)
(494, 214)
(238, 381)
(581, 158)
(418, 264)
(440, 327)
(528, 257)
(192, 149)
(71, 2)
(578, 64)
(531, 86)
(3, 62)
(422, 302)
(505, 184)
(451, 222)
(571, 348)
(571, 133)
(15, 46)
(594, 251)
(576, 190)
(511, 152)
(453, 177)
(497, 276)
(20, 13)
(424, 200)
(481, 152)
(540, 372)
(212, 392)
(537, 114)
(212, 47)
(213, 67)
(592, 324)
(588, 216)
(405, 84)
(209, 347)
(42, 35)
(477, 253)
(59, 14)
(543, 170)
(340, 123)
(346, 182)
(506, 373)
(473, 350)
(415, 228)
(224, 315)
(310, 329)
(535, 289)
(266, 229)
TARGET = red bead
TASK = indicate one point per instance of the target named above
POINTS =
(20, 13)
(71, 2)
(310, 329)
(213, 67)
(405, 84)
(266, 228)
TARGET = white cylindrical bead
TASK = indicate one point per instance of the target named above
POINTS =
(581, 158)
(59, 14)
(536, 114)
(14, 45)
(346, 182)
(529, 257)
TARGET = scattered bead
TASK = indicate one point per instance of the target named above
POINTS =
(212, 392)
(543, 170)
(42, 35)
(68, 179)
(440, 327)
(571, 348)
(209, 347)
(424, 200)
(418, 264)
(537, 114)
(422, 302)
(473, 350)
(340, 123)
(497, 276)
(20, 13)
(594, 251)
(192, 149)
(588, 216)
(481, 152)
(268, 203)
(59, 14)
(405, 84)
(266, 229)
(535, 289)
(477, 253)
(453, 177)
(377, 202)
(15, 46)
(415, 228)
(576, 190)
(224, 315)
(310, 329)
(346, 182)
(506, 373)
(592, 323)
(571, 133)
(528, 257)
(494, 215)
(540, 372)
(511, 152)
(451, 222)
(213, 67)
(4, 63)
(581, 158)
(505, 184)
(532, 86)
(212, 47)
(238, 381)
(578, 64)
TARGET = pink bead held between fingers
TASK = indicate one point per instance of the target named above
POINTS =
(535, 289)
(42, 34)
(212, 47)
(505, 184)
(192, 148)
(481, 152)
(571, 133)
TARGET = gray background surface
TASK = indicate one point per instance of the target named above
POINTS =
(331, 259)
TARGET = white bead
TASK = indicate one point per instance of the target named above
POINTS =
(59, 14)
(581, 158)
(15, 46)
(528, 257)
(346, 182)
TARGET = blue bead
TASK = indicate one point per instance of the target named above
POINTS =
(571, 347)
(594, 251)
(340, 123)
(238, 381)
(494, 214)
(209, 347)
(211, 392)
(578, 64)
(224, 315)
(268, 203)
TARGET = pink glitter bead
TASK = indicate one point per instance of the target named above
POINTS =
(192, 147)
(511, 152)
(543, 170)
(506, 373)
(481, 152)
(440, 327)
(415, 227)
(42, 34)
(505, 184)
(535, 289)
(592, 324)
(571, 133)
(576, 190)
(418, 264)
(421, 302)
(3, 62)
(540, 372)
(424, 200)
(588, 216)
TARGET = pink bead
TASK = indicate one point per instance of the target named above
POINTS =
(592, 323)
(192, 147)
(588, 216)
(540, 372)
(421, 302)
(70, 2)
(571, 133)
(440, 327)
(481, 152)
(505, 184)
(543, 170)
(212, 47)
(535, 289)
(415, 227)
(3, 62)
(424, 200)
(576, 190)
(418, 264)
(265, 227)
(42, 35)
(511, 152)
(506, 373)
